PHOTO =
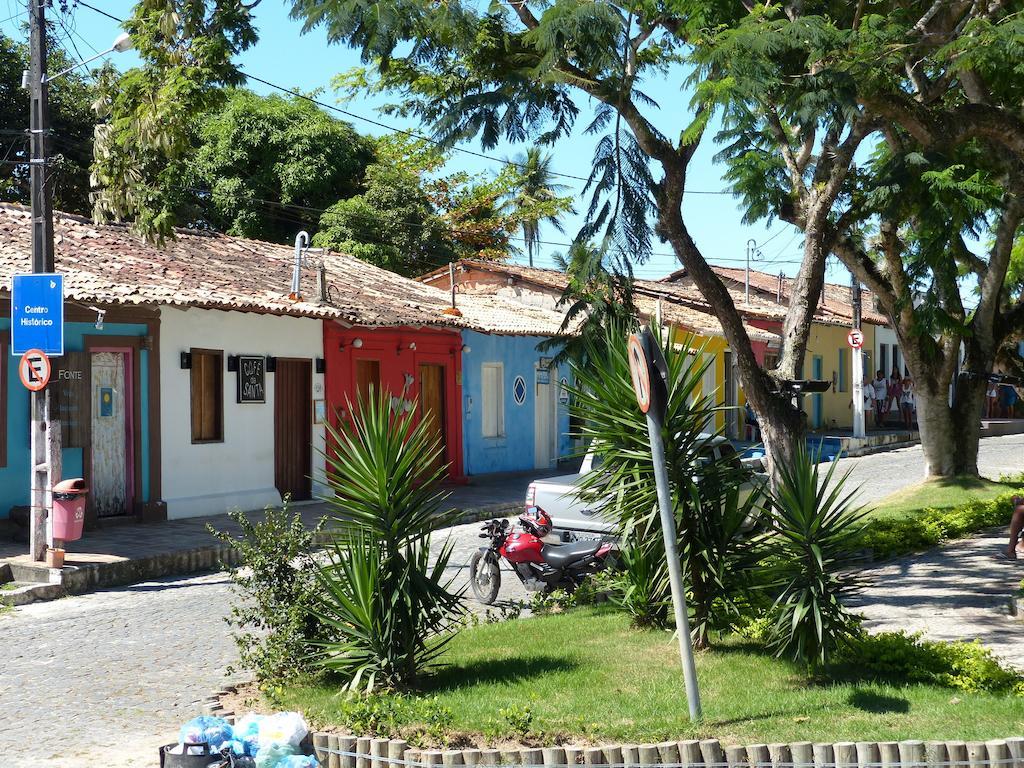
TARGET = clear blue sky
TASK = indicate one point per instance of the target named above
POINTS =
(291, 59)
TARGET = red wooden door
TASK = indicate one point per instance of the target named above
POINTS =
(293, 429)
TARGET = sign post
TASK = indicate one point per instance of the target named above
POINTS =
(649, 373)
(37, 332)
(856, 342)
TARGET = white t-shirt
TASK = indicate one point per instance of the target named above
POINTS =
(881, 387)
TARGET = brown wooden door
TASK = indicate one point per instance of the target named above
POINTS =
(293, 430)
(432, 403)
(367, 376)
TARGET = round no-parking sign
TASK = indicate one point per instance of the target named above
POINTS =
(855, 338)
(640, 372)
(34, 370)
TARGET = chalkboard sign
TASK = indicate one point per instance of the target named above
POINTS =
(252, 379)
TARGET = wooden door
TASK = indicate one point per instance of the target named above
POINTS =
(367, 378)
(432, 404)
(293, 429)
(110, 476)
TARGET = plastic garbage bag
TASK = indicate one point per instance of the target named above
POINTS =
(213, 730)
(274, 755)
(300, 761)
(282, 728)
(247, 731)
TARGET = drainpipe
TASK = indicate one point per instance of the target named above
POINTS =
(778, 293)
(301, 241)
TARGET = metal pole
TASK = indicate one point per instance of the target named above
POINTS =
(675, 574)
(751, 245)
(45, 439)
(858, 363)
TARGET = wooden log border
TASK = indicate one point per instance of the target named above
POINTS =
(341, 751)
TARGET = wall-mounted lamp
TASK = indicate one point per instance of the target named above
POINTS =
(186, 360)
(232, 363)
(100, 314)
(357, 343)
(271, 364)
(466, 349)
(412, 346)
(321, 365)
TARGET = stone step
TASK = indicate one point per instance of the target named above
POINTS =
(22, 593)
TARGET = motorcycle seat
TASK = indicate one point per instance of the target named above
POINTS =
(560, 555)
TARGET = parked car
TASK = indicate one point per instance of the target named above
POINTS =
(572, 517)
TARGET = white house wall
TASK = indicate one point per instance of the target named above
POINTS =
(237, 473)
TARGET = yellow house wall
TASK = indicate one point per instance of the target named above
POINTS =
(824, 340)
(827, 341)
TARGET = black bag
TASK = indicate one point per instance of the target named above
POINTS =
(168, 760)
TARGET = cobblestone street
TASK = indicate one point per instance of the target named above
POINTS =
(103, 679)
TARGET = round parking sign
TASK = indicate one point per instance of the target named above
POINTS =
(34, 370)
(640, 372)
(855, 338)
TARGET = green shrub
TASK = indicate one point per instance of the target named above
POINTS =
(418, 719)
(807, 554)
(274, 582)
(387, 607)
(891, 536)
(903, 658)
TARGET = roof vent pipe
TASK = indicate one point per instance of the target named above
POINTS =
(301, 241)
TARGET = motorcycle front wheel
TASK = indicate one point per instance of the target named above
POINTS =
(484, 578)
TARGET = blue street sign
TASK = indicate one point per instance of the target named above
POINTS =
(37, 314)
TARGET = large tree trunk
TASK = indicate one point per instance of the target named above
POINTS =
(938, 431)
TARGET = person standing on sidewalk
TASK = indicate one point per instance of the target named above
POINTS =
(880, 388)
(907, 402)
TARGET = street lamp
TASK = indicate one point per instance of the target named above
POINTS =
(122, 43)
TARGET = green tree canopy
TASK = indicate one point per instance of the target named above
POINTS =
(72, 123)
(264, 166)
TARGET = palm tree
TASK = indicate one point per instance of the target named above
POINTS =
(536, 196)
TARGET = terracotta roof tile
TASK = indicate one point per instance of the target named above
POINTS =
(108, 264)
(681, 305)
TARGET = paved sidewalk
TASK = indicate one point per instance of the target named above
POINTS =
(954, 592)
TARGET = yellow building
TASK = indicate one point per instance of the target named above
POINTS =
(829, 356)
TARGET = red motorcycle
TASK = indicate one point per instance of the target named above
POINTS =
(540, 566)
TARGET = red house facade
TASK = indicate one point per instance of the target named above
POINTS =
(420, 366)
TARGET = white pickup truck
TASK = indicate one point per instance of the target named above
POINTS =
(572, 517)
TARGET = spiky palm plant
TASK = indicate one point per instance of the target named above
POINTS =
(709, 515)
(809, 553)
(388, 608)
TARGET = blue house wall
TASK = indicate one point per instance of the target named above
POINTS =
(514, 450)
(14, 477)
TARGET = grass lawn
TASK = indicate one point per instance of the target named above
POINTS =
(940, 493)
(587, 674)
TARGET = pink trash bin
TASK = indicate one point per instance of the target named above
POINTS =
(69, 509)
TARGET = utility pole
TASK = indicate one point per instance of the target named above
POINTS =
(45, 464)
(751, 247)
(858, 362)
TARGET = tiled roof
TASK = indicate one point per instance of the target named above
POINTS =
(681, 305)
(108, 264)
(836, 309)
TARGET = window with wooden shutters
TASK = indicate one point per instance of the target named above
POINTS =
(207, 395)
(492, 396)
